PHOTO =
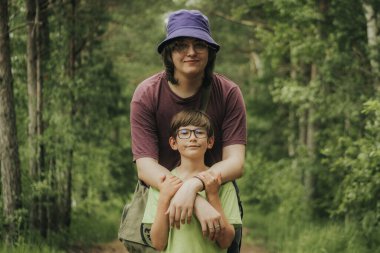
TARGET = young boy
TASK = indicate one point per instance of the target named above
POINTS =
(191, 134)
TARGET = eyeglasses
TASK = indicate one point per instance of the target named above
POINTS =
(198, 46)
(186, 133)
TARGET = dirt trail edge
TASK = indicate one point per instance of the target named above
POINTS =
(117, 247)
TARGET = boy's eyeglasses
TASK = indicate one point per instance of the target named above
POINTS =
(186, 133)
(198, 46)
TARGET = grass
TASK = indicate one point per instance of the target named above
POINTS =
(284, 235)
(98, 224)
(92, 223)
(31, 245)
(28, 248)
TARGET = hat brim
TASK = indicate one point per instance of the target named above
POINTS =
(189, 32)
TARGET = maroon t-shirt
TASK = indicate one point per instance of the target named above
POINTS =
(154, 104)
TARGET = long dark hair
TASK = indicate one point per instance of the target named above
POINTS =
(169, 65)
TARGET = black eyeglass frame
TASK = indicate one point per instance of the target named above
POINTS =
(194, 131)
(198, 46)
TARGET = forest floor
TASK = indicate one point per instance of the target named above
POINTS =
(117, 247)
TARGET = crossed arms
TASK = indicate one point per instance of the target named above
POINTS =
(185, 201)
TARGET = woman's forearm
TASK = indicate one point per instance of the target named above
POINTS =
(232, 164)
(150, 171)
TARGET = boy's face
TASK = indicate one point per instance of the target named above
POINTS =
(191, 141)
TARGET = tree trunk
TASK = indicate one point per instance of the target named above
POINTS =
(292, 116)
(32, 106)
(309, 177)
(373, 43)
(9, 157)
(37, 46)
(54, 210)
(302, 129)
(42, 53)
(71, 73)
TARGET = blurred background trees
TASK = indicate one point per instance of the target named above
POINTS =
(309, 71)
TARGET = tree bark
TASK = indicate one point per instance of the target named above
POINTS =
(32, 106)
(42, 53)
(292, 116)
(309, 177)
(9, 156)
(71, 74)
(373, 43)
(37, 44)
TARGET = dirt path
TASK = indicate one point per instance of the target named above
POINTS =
(117, 247)
(112, 247)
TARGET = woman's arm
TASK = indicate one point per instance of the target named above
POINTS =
(232, 164)
(150, 171)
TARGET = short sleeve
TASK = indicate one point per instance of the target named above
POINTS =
(143, 108)
(230, 204)
(234, 126)
(151, 206)
(143, 131)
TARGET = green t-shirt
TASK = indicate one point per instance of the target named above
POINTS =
(189, 238)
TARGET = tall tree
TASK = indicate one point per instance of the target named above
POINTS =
(37, 42)
(32, 103)
(373, 42)
(9, 156)
(71, 74)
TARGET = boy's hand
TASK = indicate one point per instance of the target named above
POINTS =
(210, 219)
(181, 206)
(169, 186)
(212, 182)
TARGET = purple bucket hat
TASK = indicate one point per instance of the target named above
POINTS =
(188, 23)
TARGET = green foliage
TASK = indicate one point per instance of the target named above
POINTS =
(359, 165)
(29, 248)
(302, 66)
(284, 235)
(95, 221)
(344, 160)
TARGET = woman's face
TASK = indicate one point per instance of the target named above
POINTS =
(190, 58)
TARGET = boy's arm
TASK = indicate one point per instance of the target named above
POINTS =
(160, 228)
(225, 236)
(224, 239)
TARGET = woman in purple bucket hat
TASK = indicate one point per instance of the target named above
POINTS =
(188, 82)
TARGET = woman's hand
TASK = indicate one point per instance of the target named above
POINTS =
(212, 182)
